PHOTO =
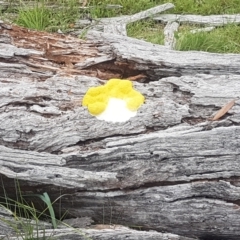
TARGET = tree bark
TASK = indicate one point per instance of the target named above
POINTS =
(168, 169)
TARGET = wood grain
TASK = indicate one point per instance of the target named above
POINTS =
(167, 169)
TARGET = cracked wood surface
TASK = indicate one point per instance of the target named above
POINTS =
(167, 169)
(157, 61)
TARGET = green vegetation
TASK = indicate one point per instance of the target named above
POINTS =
(38, 18)
(45, 198)
(221, 40)
(44, 15)
(128, 7)
(27, 224)
(47, 15)
(147, 30)
(205, 7)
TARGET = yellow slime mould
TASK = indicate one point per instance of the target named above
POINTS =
(97, 98)
(97, 108)
(135, 100)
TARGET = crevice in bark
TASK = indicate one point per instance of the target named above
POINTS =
(180, 96)
(174, 183)
(214, 237)
(193, 120)
(118, 69)
(20, 144)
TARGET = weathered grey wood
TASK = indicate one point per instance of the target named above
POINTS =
(212, 20)
(167, 169)
(173, 162)
(118, 28)
(129, 56)
(157, 61)
(117, 25)
(105, 233)
(83, 222)
(169, 38)
(79, 228)
(206, 29)
(5, 215)
(147, 13)
(44, 98)
(60, 169)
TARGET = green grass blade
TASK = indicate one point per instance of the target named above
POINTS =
(45, 198)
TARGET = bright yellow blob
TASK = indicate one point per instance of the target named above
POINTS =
(97, 98)
(135, 100)
(97, 108)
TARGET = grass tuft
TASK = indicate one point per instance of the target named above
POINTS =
(128, 7)
(38, 18)
(45, 198)
(26, 224)
(48, 15)
(146, 30)
(221, 40)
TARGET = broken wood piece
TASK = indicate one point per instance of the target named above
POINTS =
(158, 61)
(206, 29)
(169, 31)
(212, 20)
(147, 13)
(113, 6)
(122, 22)
(117, 25)
(223, 110)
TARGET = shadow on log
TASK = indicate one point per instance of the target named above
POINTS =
(168, 169)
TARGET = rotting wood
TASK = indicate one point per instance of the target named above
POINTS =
(157, 61)
(212, 20)
(51, 54)
(167, 169)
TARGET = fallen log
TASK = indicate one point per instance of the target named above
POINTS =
(212, 20)
(167, 169)
(103, 232)
(118, 25)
